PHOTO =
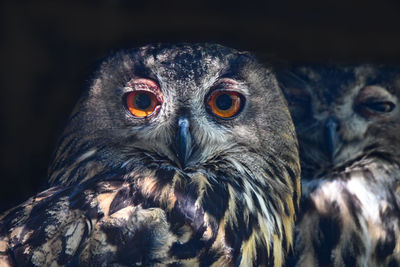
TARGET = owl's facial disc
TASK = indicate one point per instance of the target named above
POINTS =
(370, 105)
(170, 129)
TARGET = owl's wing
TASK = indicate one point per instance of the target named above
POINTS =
(98, 222)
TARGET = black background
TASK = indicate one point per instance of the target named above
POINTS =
(49, 48)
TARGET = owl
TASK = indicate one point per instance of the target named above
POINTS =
(178, 155)
(347, 119)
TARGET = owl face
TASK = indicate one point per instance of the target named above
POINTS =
(343, 112)
(186, 106)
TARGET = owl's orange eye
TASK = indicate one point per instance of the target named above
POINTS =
(225, 104)
(141, 103)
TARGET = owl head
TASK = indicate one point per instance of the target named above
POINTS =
(343, 112)
(186, 105)
(205, 122)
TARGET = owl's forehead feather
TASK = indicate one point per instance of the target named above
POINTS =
(187, 62)
(182, 68)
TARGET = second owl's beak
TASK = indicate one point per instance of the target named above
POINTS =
(183, 141)
(331, 137)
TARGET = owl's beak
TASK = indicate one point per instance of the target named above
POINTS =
(331, 137)
(183, 141)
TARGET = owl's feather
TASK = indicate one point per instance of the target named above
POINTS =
(125, 195)
(351, 217)
(159, 216)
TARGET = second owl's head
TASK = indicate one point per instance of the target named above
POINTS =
(343, 112)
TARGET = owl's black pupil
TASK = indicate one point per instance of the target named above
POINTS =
(143, 101)
(381, 106)
(224, 102)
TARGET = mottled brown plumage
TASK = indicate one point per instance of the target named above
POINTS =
(198, 181)
(348, 124)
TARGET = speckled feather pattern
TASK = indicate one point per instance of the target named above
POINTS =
(351, 217)
(120, 196)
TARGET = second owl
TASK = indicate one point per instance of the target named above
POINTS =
(348, 122)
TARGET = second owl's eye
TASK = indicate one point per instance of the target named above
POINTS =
(369, 109)
(374, 100)
(225, 104)
(385, 106)
(141, 103)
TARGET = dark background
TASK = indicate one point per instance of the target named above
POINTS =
(49, 48)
